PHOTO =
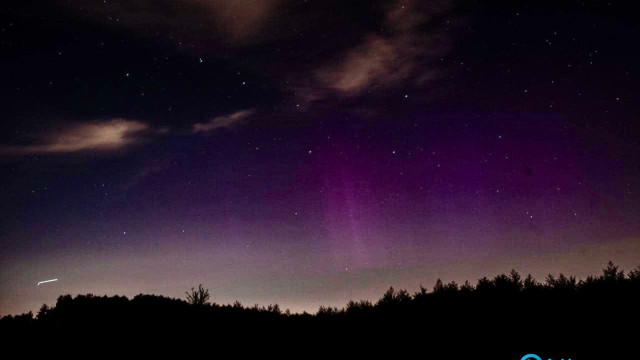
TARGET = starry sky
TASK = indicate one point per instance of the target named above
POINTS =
(310, 152)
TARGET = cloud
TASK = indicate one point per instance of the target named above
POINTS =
(376, 59)
(232, 21)
(240, 19)
(385, 60)
(106, 135)
(265, 38)
(224, 121)
(145, 171)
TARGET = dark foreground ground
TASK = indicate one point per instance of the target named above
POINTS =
(501, 318)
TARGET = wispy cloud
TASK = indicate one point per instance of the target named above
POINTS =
(224, 121)
(384, 60)
(145, 171)
(376, 59)
(91, 136)
(240, 19)
(233, 21)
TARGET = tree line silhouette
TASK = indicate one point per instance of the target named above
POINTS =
(503, 317)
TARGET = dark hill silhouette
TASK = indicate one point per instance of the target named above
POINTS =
(501, 318)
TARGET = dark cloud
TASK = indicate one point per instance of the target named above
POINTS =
(342, 59)
(233, 22)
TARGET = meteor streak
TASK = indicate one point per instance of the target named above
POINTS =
(46, 281)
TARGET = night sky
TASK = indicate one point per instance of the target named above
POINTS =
(307, 153)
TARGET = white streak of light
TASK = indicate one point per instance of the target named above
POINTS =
(46, 281)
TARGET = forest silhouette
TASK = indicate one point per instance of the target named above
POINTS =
(500, 318)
